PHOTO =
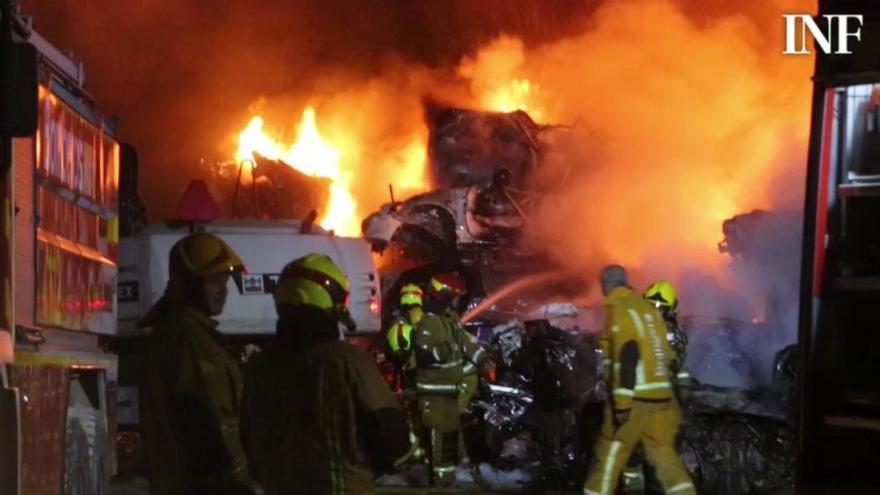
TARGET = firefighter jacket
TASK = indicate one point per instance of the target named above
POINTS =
(189, 406)
(444, 353)
(636, 350)
(320, 419)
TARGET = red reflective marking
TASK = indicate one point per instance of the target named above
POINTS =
(822, 197)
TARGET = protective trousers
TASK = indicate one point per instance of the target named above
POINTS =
(467, 390)
(654, 425)
(441, 428)
(633, 481)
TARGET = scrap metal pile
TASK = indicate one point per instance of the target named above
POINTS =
(480, 163)
(537, 422)
(533, 413)
(738, 438)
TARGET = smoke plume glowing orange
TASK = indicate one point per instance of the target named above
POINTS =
(680, 126)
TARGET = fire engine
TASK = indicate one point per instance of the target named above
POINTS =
(840, 284)
(59, 271)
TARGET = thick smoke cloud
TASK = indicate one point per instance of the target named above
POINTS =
(686, 120)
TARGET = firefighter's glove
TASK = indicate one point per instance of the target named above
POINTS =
(621, 416)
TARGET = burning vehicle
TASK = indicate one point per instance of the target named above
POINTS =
(472, 222)
(479, 162)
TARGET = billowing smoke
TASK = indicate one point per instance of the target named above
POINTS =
(681, 121)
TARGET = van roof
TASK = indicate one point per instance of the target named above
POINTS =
(232, 226)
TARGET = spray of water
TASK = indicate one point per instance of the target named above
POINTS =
(512, 288)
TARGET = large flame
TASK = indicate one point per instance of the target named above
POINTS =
(517, 95)
(312, 155)
(497, 81)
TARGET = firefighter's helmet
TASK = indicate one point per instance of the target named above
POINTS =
(662, 295)
(203, 255)
(315, 280)
(447, 283)
(411, 295)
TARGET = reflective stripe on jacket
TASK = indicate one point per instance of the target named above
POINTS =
(635, 342)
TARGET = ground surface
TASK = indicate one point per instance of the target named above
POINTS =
(137, 485)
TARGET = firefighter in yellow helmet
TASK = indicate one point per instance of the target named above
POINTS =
(641, 407)
(662, 295)
(444, 352)
(399, 338)
(190, 390)
(399, 334)
(317, 416)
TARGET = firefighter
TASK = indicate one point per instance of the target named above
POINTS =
(662, 295)
(399, 334)
(317, 416)
(399, 338)
(189, 398)
(443, 351)
(641, 407)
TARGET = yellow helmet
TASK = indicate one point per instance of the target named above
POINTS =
(203, 255)
(315, 280)
(449, 283)
(411, 295)
(662, 295)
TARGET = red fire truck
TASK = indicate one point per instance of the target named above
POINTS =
(839, 339)
(59, 271)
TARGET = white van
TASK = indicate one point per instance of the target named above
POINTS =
(265, 246)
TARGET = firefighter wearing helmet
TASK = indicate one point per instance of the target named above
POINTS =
(317, 417)
(189, 397)
(662, 295)
(399, 334)
(444, 355)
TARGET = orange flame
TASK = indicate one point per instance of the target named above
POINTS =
(496, 80)
(312, 155)
(517, 95)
